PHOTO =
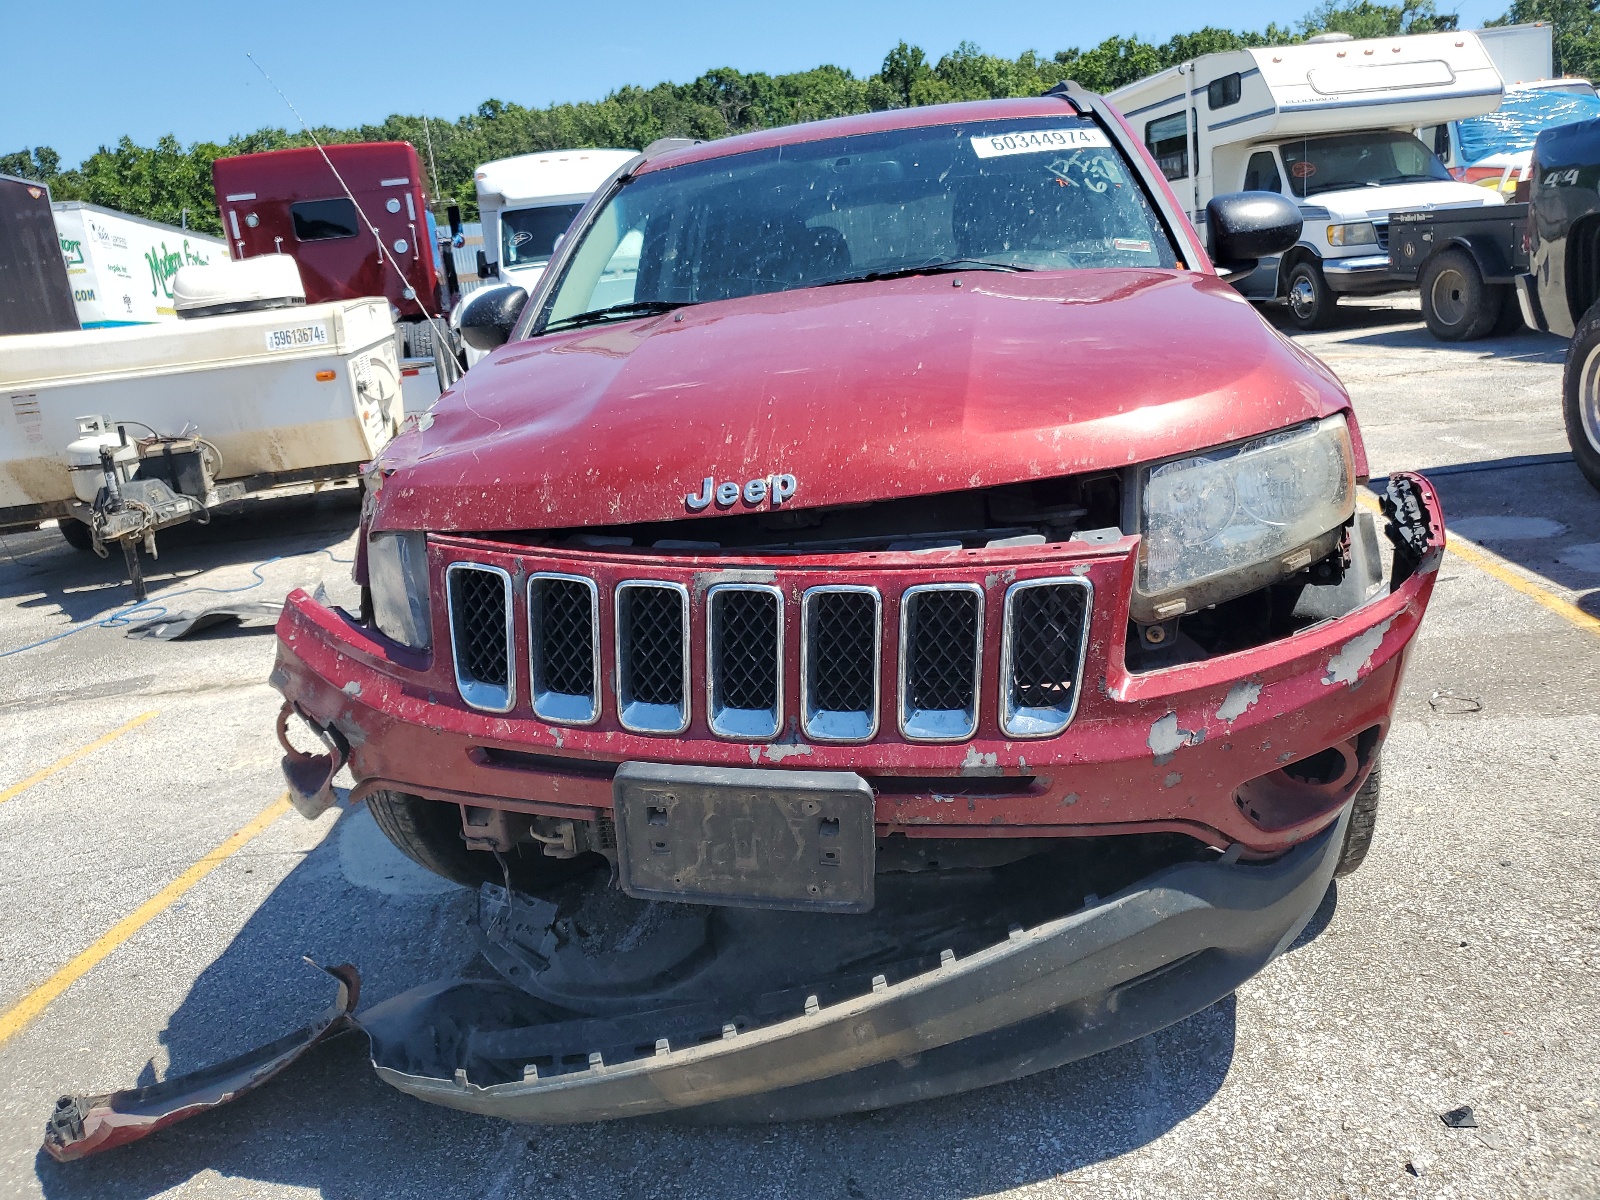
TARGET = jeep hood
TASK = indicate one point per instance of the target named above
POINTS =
(861, 392)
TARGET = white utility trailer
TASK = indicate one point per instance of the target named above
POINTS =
(121, 432)
(1328, 124)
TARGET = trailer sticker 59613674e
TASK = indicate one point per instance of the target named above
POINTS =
(296, 337)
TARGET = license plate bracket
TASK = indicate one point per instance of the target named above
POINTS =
(799, 840)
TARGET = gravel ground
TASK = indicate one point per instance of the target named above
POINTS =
(1459, 966)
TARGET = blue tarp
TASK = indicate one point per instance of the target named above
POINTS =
(1520, 118)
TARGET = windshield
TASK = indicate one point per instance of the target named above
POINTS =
(1354, 160)
(528, 235)
(1035, 194)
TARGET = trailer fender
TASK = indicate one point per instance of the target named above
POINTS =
(1490, 259)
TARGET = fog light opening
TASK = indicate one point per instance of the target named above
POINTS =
(1322, 768)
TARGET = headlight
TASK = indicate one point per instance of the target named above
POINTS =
(1361, 233)
(397, 575)
(1208, 519)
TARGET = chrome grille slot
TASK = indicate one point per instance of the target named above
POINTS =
(1045, 636)
(479, 599)
(744, 660)
(839, 655)
(564, 644)
(653, 656)
(941, 660)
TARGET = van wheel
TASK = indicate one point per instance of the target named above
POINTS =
(428, 832)
(1311, 301)
(1456, 303)
(1580, 395)
(76, 533)
(1363, 823)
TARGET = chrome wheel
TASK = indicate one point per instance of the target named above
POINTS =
(1449, 296)
(1589, 399)
(1303, 298)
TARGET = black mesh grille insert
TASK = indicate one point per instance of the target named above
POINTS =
(478, 605)
(1047, 625)
(652, 645)
(941, 649)
(563, 637)
(841, 652)
(744, 649)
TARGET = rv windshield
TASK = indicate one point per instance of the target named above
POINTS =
(528, 235)
(1358, 160)
(1039, 194)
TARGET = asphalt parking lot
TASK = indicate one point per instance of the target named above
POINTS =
(1460, 966)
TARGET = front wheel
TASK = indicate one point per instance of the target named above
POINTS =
(1311, 301)
(1456, 303)
(1580, 399)
(1363, 824)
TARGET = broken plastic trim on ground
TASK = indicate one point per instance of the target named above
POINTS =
(608, 1007)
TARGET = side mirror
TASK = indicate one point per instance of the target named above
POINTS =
(1245, 227)
(489, 313)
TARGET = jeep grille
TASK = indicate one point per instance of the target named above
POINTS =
(480, 634)
(941, 651)
(653, 656)
(1041, 660)
(839, 672)
(564, 643)
(744, 665)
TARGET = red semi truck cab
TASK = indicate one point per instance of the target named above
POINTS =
(376, 239)
(898, 497)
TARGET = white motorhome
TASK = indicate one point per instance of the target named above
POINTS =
(1328, 124)
(527, 202)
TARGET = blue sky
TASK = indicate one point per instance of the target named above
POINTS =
(81, 74)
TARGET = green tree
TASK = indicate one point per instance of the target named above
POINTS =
(40, 164)
(1365, 19)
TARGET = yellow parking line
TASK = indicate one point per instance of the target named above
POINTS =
(1493, 565)
(36, 1001)
(61, 764)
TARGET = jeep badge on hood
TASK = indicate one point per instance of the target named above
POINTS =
(779, 487)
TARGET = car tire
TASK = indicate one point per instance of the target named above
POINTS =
(1312, 303)
(76, 533)
(1580, 395)
(428, 832)
(1363, 823)
(1456, 303)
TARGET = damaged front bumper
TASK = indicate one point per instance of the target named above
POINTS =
(1051, 993)
(1208, 748)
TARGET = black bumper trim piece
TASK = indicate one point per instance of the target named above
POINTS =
(1161, 950)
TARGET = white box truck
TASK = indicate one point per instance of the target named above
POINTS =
(1328, 124)
(121, 267)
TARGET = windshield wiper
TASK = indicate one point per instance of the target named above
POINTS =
(633, 308)
(932, 268)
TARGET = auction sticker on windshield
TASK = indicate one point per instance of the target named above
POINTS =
(1034, 141)
(297, 337)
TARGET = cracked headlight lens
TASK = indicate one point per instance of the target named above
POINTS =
(1216, 513)
(397, 576)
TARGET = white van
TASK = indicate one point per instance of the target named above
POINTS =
(1328, 124)
(527, 202)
